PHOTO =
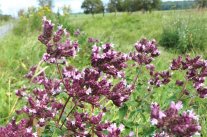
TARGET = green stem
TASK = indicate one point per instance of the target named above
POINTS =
(9, 94)
(63, 109)
(59, 71)
(183, 89)
(92, 129)
(68, 115)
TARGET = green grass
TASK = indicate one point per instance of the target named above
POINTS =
(125, 29)
(2, 22)
(19, 52)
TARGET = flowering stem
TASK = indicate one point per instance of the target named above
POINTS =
(135, 80)
(58, 67)
(183, 89)
(63, 109)
(137, 132)
(13, 108)
(68, 115)
(38, 66)
(92, 129)
(9, 94)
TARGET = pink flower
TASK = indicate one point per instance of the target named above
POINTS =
(177, 105)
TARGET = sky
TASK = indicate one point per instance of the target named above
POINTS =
(11, 7)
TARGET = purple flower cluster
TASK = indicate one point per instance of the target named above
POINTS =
(161, 134)
(78, 126)
(173, 123)
(77, 32)
(93, 40)
(114, 131)
(41, 108)
(108, 60)
(56, 50)
(146, 52)
(196, 71)
(35, 79)
(83, 123)
(89, 86)
(86, 86)
(158, 78)
(22, 129)
(41, 104)
(120, 93)
(53, 86)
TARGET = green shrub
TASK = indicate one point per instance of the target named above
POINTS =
(31, 21)
(66, 22)
(21, 26)
(5, 17)
(184, 36)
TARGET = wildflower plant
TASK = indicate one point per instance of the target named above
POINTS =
(75, 101)
(172, 123)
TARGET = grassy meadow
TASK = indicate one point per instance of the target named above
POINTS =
(19, 52)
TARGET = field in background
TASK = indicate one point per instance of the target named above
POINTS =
(19, 52)
(125, 29)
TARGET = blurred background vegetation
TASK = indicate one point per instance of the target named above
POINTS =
(180, 27)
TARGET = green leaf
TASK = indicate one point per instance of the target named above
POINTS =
(149, 131)
(123, 112)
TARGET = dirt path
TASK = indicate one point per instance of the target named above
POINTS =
(5, 28)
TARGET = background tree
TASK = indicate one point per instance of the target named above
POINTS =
(128, 5)
(115, 5)
(149, 5)
(66, 9)
(44, 3)
(31, 10)
(201, 3)
(21, 12)
(104, 8)
(92, 6)
(145, 5)
(175, 5)
(156, 4)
